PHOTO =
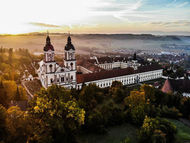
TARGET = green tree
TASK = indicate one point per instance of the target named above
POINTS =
(90, 96)
(117, 92)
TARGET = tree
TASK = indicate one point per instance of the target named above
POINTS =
(117, 92)
(55, 116)
(149, 93)
(4, 100)
(185, 106)
(17, 124)
(90, 96)
(3, 129)
(157, 130)
(17, 96)
(136, 106)
(10, 56)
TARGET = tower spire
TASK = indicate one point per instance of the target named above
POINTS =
(48, 43)
(69, 38)
(48, 38)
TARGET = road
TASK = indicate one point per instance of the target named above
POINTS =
(30, 96)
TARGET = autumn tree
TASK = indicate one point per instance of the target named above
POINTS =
(4, 100)
(157, 130)
(17, 124)
(3, 129)
(55, 116)
(10, 58)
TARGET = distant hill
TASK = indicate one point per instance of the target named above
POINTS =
(112, 36)
(101, 42)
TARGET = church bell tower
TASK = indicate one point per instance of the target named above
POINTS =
(50, 64)
(69, 60)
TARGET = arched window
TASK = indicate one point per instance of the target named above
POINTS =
(71, 66)
(50, 68)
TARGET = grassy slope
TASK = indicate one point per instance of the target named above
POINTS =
(183, 133)
(114, 135)
(119, 133)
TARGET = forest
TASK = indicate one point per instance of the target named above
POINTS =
(59, 115)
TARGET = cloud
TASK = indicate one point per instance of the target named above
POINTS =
(118, 10)
(172, 24)
(44, 25)
(182, 4)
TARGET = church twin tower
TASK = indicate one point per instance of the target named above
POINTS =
(51, 72)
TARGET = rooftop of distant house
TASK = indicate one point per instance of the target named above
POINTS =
(180, 85)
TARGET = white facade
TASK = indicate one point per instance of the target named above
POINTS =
(126, 79)
(50, 72)
(118, 64)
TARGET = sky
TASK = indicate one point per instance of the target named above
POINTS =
(95, 16)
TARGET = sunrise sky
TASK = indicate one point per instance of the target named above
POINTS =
(95, 16)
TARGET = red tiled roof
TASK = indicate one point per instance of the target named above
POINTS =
(81, 78)
(181, 85)
(90, 66)
(167, 88)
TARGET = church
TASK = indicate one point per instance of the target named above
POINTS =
(121, 69)
(50, 72)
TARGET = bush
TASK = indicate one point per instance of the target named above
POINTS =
(126, 140)
(157, 130)
(170, 112)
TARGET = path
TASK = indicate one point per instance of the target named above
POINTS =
(30, 96)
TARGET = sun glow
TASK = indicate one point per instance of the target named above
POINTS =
(17, 16)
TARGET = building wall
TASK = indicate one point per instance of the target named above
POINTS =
(127, 79)
(122, 65)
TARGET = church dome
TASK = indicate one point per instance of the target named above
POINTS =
(69, 45)
(48, 45)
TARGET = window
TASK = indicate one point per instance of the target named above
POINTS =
(50, 68)
(71, 66)
(62, 79)
(71, 77)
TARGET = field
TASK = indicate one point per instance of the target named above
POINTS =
(183, 131)
(115, 135)
(119, 133)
